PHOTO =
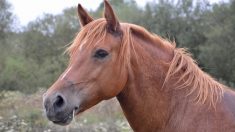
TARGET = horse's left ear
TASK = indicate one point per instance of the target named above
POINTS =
(84, 17)
(112, 21)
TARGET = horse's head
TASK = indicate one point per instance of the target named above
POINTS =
(96, 71)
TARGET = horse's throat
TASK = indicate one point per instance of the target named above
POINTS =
(144, 104)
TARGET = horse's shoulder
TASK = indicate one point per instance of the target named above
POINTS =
(228, 102)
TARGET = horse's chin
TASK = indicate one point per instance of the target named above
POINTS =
(63, 123)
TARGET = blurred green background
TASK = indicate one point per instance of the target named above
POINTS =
(31, 57)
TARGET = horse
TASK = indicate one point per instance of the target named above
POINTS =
(160, 87)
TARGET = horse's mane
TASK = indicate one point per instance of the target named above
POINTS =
(206, 88)
(199, 83)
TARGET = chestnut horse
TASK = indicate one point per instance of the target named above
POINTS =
(159, 87)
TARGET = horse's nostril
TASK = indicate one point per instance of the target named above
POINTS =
(59, 102)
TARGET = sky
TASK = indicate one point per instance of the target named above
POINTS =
(29, 10)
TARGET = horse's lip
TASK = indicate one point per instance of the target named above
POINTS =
(62, 123)
(68, 119)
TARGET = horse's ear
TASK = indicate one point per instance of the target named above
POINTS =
(112, 20)
(84, 17)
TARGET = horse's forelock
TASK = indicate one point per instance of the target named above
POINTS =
(93, 31)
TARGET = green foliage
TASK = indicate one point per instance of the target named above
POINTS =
(179, 21)
(6, 17)
(218, 53)
(33, 58)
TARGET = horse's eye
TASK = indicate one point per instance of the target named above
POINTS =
(100, 54)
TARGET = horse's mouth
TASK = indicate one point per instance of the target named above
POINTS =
(69, 118)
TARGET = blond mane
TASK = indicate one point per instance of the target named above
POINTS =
(199, 82)
(193, 78)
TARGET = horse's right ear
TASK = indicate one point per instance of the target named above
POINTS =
(112, 20)
(84, 17)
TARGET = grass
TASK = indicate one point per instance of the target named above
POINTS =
(24, 113)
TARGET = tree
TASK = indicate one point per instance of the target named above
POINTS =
(126, 10)
(6, 18)
(180, 21)
(218, 53)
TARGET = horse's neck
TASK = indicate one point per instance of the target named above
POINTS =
(143, 104)
(149, 107)
(143, 101)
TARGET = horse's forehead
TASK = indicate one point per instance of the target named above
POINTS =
(82, 44)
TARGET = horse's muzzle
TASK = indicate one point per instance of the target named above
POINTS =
(57, 109)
